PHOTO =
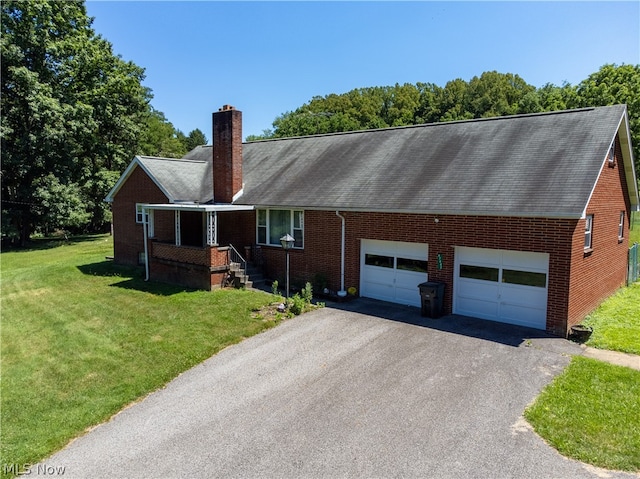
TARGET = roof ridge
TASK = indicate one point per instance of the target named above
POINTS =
(440, 123)
(170, 159)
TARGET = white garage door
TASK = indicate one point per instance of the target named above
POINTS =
(500, 285)
(392, 270)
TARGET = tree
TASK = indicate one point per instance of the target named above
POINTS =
(160, 138)
(611, 85)
(195, 138)
(71, 109)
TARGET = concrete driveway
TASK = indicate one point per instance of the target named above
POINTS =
(368, 389)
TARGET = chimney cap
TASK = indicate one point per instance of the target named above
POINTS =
(227, 108)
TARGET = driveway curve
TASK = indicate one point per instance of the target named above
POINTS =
(367, 389)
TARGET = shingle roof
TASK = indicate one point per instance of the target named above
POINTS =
(180, 179)
(183, 179)
(539, 165)
(542, 164)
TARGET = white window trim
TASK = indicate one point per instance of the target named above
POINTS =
(621, 226)
(291, 223)
(139, 214)
(142, 217)
(588, 233)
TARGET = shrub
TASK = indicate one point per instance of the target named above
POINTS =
(307, 293)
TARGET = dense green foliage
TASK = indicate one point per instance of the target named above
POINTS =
(73, 116)
(82, 338)
(490, 94)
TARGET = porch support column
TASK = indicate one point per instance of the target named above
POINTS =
(145, 235)
(178, 241)
(212, 228)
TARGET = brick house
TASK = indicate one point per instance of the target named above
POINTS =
(525, 218)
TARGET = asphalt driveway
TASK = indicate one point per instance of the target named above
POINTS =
(365, 390)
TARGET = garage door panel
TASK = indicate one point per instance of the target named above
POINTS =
(527, 296)
(479, 289)
(384, 292)
(525, 260)
(477, 307)
(478, 256)
(522, 315)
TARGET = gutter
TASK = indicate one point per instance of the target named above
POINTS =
(342, 293)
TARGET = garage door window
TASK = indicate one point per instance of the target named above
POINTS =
(479, 272)
(526, 278)
(415, 265)
(379, 260)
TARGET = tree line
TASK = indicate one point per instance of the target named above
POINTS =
(74, 114)
(488, 95)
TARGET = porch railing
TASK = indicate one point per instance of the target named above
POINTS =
(235, 257)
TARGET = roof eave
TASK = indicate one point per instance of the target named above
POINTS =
(514, 214)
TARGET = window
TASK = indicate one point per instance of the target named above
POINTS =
(139, 214)
(479, 272)
(378, 260)
(588, 232)
(525, 278)
(416, 265)
(274, 224)
(148, 218)
(621, 226)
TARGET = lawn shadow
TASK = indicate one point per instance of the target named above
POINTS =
(132, 278)
(502, 333)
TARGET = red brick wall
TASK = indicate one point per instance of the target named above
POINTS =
(182, 254)
(127, 234)
(597, 274)
(188, 266)
(321, 253)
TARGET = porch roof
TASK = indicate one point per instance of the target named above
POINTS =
(196, 207)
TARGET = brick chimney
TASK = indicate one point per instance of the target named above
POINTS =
(227, 154)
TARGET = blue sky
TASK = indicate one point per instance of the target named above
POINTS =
(267, 58)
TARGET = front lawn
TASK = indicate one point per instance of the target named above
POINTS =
(590, 413)
(82, 338)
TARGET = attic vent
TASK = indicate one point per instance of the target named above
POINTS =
(227, 108)
(611, 156)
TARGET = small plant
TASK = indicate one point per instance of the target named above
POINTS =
(274, 288)
(297, 304)
(307, 293)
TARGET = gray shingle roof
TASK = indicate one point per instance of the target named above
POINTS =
(538, 165)
(542, 164)
(184, 179)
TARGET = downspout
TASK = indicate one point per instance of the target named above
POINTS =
(342, 293)
(145, 215)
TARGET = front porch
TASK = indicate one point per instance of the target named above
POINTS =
(192, 257)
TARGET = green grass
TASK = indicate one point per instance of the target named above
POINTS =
(590, 413)
(634, 233)
(82, 338)
(616, 322)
